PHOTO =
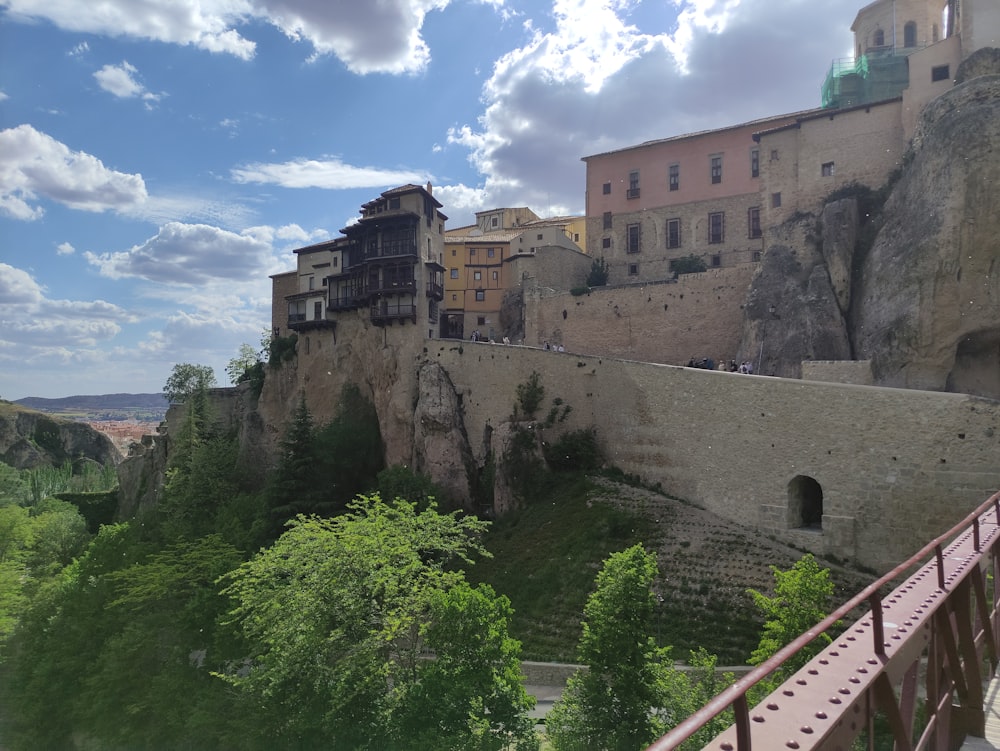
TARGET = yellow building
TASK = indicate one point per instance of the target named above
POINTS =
(480, 262)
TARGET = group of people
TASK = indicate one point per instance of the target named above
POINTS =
(707, 363)
(477, 337)
(553, 347)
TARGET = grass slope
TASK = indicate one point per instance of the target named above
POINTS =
(547, 555)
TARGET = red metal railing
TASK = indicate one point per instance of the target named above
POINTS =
(940, 625)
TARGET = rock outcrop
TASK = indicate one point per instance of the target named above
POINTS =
(928, 306)
(440, 445)
(30, 439)
(795, 305)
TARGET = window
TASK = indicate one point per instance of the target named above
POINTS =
(754, 162)
(481, 321)
(774, 155)
(394, 203)
(317, 311)
(576, 237)
(910, 34)
(716, 162)
(632, 244)
(336, 262)
(633, 269)
(633, 184)
(605, 242)
(490, 252)
(494, 222)
(454, 273)
(607, 220)
(454, 297)
(940, 73)
(496, 276)
(539, 237)
(674, 176)
(878, 39)
(755, 256)
(454, 252)
(606, 188)
(477, 275)
(324, 281)
(753, 222)
(312, 282)
(716, 260)
(480, 295)
(775, 200)
(716, 227)
(472, 252)
(673, 233)
(827, 169)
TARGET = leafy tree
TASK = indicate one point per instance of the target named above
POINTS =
(630, 694)
(12, 485)
(187, 379)
(238, 369)
(800, 601)
(16, 531)
(338, 614)
(690, 264)
(399, 481)
(598, 275)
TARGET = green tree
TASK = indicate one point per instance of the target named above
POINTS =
(399, 481)
(238, 369)
(801, 600)
(187, 379)
(690, 264)
(598, 275)
(338, 614)
(630, 694)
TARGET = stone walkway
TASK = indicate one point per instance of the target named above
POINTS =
(992, 739)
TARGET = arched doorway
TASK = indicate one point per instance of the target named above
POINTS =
(805, 503)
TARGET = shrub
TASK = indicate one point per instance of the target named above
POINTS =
(575, 451)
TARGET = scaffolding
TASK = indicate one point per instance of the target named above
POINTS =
(869, 78)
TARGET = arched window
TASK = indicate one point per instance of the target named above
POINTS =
(805, 503)
(910, 34)
(878, 39)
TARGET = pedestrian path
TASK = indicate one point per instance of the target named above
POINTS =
(991, 702)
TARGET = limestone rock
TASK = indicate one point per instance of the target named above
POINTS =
(440, 445)
(793, 311)
(928, 308)
(30, 439)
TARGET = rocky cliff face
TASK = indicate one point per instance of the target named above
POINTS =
(796, 304)
(923, 301)
(928, 305)
(30, 439)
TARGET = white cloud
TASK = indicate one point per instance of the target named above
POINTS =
(120, 80)
(17, 287)
(369, 37)
(3, 96)
(188, 254)
(27, 317)
(326, 173)
(206, 24)
(594, 83)
(65, 249)
(80, 49)
(34, 165)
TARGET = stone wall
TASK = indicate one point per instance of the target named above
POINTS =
(858, 372)
(660, 322)
(895, 467)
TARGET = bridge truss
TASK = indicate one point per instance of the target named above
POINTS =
(917, 659)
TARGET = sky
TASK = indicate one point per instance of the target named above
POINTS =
(159, 159)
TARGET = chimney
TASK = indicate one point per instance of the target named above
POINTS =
(430, 188)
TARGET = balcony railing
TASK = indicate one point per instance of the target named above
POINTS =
(435, 290)
(391, 249)
(392, 286)
(632, 193)
(387, 311)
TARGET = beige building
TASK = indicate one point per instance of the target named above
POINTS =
(493, 256)
(714, 194)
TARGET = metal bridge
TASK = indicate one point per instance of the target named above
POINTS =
(914, 666)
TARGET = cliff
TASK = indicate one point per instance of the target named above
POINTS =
(30, 439)
(915, 288)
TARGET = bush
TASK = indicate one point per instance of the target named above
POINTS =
(691, 264)
(281, 350)
(575, 451)
(598, 275)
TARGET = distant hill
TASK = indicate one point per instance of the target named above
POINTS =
(146, 407)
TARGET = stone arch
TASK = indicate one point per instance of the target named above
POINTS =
(910, 34)
(805, 503)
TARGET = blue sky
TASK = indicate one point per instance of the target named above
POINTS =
(160, 158)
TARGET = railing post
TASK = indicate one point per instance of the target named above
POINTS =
(939, 557)
(878, 629)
